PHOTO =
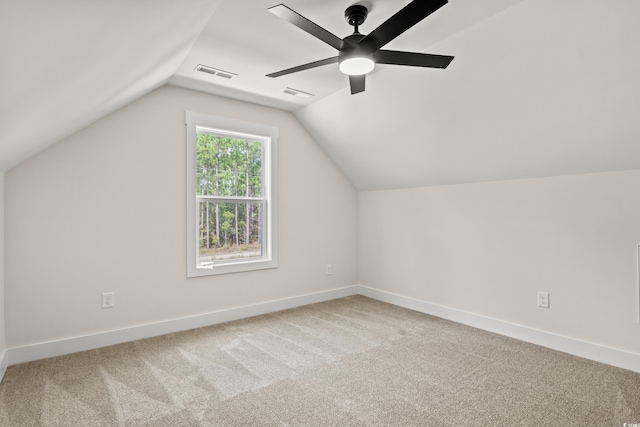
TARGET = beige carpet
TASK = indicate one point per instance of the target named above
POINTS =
(348, 362)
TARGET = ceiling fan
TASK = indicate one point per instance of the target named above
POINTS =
(358, 53)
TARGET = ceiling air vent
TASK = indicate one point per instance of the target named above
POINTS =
(215, 72)
(298, 93)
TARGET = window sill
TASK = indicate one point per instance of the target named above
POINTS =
(235, 267)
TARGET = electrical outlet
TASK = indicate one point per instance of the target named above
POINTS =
(543, 299)
(329, 270)
(107, 300)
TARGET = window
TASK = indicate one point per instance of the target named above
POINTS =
(231, 189)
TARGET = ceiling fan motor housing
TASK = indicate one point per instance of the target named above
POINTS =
(355, 16)
(361, 60)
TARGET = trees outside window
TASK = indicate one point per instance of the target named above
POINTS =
(231, 194)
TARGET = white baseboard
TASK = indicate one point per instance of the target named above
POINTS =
(4, 363)
(88, 342)
(599, 353)
(587, 350)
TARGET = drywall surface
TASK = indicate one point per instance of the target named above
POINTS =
(2, 305)
(487, 248)
(104, 211)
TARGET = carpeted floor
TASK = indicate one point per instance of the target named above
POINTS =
(347, 362)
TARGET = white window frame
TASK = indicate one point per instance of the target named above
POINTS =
(268, 136)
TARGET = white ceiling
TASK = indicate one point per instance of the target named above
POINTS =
(537, 88)
(66, 63)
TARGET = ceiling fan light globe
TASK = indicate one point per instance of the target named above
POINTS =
(357, 66)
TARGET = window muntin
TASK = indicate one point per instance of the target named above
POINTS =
(231, 195)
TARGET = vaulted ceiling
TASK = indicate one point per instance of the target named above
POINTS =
(537, 87)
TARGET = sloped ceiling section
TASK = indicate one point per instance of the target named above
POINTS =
(65, 64)
(537, 87)
(544, 88)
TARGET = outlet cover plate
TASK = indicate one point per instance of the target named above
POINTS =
(107, 300)
(543, 299)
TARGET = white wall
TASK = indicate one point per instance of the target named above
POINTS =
(487, 249)
(2, 305)
(104, 210)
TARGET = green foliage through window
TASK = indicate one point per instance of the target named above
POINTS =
(229, 186)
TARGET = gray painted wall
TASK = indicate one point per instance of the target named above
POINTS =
(2, 274)
(487, 249)
(104, 210)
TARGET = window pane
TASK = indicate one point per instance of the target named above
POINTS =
(231, 189)
(229, 230)
(228, 166)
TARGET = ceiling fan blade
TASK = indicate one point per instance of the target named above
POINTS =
(305, 67)
(406, 18)
(304, 24)
(411, 58)
(357, 83)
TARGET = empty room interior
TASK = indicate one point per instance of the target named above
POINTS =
(209, 215)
